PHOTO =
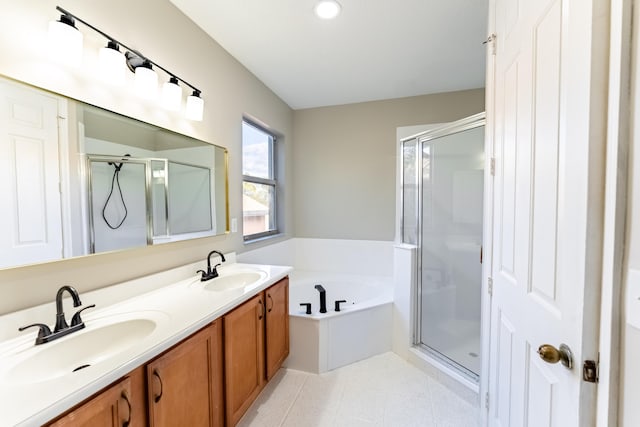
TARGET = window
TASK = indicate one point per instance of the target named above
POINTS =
(259, 185)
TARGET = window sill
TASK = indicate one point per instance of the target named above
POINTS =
(263, 238)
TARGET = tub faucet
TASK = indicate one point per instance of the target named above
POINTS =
(323, 298)
(211, 273)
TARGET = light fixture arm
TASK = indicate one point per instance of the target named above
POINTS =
(108, 37)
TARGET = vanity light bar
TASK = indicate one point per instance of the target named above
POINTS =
(135, 59)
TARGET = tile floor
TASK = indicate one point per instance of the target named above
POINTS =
(382, 391)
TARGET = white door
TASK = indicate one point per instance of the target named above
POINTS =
(548, 122)
(29, 177)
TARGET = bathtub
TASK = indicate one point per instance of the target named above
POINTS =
(361, 329)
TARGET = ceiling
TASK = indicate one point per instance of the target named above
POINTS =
(375, 49)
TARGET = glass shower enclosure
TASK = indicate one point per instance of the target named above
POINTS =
(140, 201)
(442, 214)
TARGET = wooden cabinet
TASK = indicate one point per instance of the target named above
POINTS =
(277, 326)
(191, 384)
(243, 357)
(185, 384)
(121, 404)
(256, 343)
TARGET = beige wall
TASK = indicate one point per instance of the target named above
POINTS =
(160, 31)
(345, 161)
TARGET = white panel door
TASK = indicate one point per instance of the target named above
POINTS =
(29, 177)
(548, 141)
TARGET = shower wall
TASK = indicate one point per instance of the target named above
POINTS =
(133, 231)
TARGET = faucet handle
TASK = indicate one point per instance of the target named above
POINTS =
(76, 319)
(337, 304)
(307, 305)
(42, 333)
(214, 271)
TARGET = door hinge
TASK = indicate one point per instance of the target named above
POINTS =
(590, 371)
(486, 400)
(492, 166)
(491, 41)
(490, 286)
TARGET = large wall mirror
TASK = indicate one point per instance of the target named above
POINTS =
(80, 180)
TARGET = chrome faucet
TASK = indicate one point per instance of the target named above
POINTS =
(211, 273)
(61, 328)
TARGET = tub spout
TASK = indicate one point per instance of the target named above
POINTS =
(323, 298)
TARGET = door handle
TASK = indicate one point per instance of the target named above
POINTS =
(550, 354)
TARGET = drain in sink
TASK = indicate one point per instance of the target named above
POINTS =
(81, 367)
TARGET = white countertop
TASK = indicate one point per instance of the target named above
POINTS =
(179, 310)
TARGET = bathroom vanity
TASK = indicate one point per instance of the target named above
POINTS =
(210, 351)
(256, 342)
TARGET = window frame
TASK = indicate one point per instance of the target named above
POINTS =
(271, 182)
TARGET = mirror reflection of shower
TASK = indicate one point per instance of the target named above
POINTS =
(117, 221)
(442, 195)
(140, 201)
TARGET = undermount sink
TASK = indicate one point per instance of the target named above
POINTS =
(100, 340)
(234, 280)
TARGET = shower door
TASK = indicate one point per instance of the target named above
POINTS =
(443, 180)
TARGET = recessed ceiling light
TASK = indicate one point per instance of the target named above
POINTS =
(327, 9)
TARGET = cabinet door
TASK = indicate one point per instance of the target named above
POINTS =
(277, 326)
(243, 357)
(185, 384)
(110, 408)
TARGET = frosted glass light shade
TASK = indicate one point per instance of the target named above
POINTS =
(146, 81)
(327, 9)
(195, 107)
(171, 95)
(112, 64)
(66, 42)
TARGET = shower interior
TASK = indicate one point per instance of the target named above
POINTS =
(442, 215)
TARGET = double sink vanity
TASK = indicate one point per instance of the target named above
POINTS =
(191, 352)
